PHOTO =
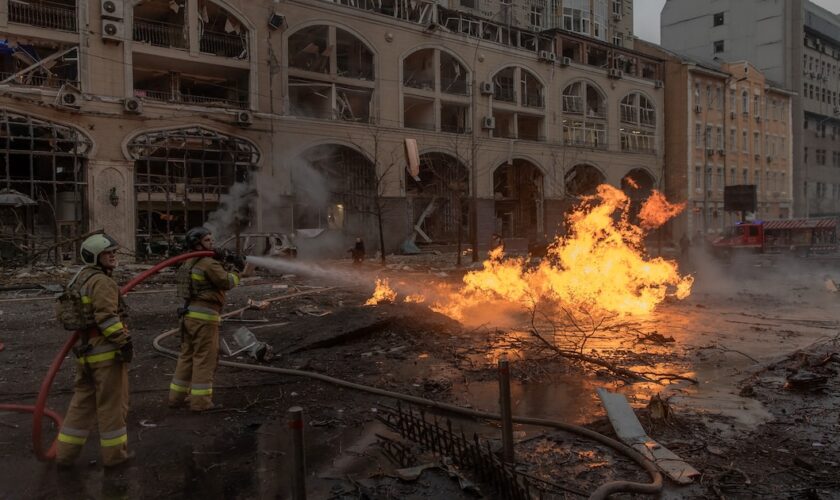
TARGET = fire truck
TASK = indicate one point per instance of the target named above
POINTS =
(801, 237)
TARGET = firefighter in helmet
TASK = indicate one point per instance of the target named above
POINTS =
(202, 283)
(100, 392)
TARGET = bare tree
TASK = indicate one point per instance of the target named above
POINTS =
(384, 162)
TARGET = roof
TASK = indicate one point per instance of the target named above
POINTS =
(801, 224)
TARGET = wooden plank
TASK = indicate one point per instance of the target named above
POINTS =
(630, 432)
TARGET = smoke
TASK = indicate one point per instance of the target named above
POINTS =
(234, 208)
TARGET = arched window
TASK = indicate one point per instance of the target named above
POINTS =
(179, 178)
(435, 92)
(331, 74)
(43, 181)
(443, 182)
(521, 114)
(584, 115)
(638, 124)
(583, 179)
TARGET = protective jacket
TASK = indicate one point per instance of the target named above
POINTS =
(104, 310)
(100, 394)
(198, 358)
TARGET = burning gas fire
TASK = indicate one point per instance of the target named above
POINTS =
(599, 266)
(382, 293)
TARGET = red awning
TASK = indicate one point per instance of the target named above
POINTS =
(801, 224)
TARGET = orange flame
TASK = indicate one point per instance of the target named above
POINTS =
(415, 299)
(382, 293)
(656, 211)
(599, 266)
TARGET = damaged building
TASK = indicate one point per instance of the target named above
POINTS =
(140, 117)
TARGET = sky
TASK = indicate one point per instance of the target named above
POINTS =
(646, 16)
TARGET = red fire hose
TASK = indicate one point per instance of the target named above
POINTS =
(39, 410)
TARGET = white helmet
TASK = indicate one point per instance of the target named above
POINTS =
(95, 245)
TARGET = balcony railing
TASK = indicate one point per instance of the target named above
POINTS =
(160, 34)
(224, 44)
(162, 96)
(28, 79)
(44, 15)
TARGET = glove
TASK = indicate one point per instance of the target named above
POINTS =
(238, 262)
(221, 254)
(127, 352)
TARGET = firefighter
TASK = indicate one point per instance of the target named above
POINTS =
(100, 392)
(202, 283)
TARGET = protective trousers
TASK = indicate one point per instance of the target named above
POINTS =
(100, 395)
(196, 364)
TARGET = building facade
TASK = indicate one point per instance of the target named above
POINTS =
(795, 43)
(727, 125)
(147, 118)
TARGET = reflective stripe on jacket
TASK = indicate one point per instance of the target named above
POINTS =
(210, 280)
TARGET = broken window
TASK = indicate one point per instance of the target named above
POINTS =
(161, 23)
(439, 75)
(573, 50)
(38, 64)
(583, 180)
(531, 90)
(638, 124)
(53, 14)
(353, 58)
(312, 53)
(223, 88)
(334, 188)
(437, 199)
(526, 124)
(179, 178)
(504, 88)
(518, 200)
(589, 129)
(419, 70)
(453, 75)
(42, 170)
(597, 56)
(220, 33)
(419, 113)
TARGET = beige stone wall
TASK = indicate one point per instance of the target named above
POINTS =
(107, 79)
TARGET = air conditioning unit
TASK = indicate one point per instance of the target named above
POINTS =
(769, 158)
(489, 122)
(69, 97)
(615, 73)
(552, 57)
(113, 31)
(658, 84)
(757, 156)
(543, 55)
(486, 88)
(697, 108)
(244, 118)
(565, 61)
(276, 21)
(757, 119)
(133, 105)
(113, 9)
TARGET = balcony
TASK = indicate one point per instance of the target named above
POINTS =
(54, 16)
(199, 100)
(224, 44)
(160, 34)
(32, 80)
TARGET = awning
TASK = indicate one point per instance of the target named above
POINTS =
(828, 223)
(12, 198)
